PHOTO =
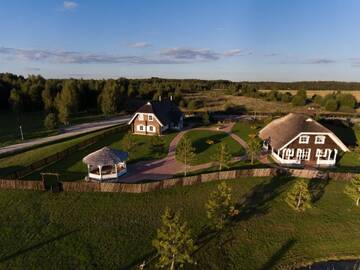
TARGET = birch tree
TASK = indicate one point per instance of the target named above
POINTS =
(299, 197)
(353, 190)
(223, 156)
(185, 152)
(174, 244)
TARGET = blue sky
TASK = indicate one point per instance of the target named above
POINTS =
(280, 40)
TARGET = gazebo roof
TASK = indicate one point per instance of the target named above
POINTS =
(105, 156)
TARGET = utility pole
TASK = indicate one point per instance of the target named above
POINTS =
(21, 132)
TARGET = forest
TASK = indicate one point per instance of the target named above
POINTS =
(61, 98)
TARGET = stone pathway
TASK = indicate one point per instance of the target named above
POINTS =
(167, 167)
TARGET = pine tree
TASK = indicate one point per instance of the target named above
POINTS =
(157, 145)
(174, 244)
(223, 156)
(353, 189)
(219, 208)
(299, 196)
(254, 145)
(67, 101)
(185, 152)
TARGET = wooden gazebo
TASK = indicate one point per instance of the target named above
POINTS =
(106, 164)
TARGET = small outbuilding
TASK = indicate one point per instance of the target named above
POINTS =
(106, 164)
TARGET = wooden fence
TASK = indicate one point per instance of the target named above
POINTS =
(169, 183)
(37, 165)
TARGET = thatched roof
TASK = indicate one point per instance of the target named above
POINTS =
(284, 129)
(105, 157)
(166, 111)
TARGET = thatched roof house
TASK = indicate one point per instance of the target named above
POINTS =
(299, 139)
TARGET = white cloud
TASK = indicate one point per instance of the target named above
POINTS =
(236, 52)
(70, 5)
(140, 45)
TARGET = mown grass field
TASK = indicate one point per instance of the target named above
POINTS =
(206, 144)
(114, 231)
(73, 169)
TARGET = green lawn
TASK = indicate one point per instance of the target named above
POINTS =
(32, 126)
(244, 128)
(15, 162)
(73, 169)
(207, 152)
(115, 230)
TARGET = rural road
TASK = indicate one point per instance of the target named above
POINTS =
(66, 133)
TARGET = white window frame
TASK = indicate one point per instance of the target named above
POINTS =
(141, 128)
(150, 117)
(149, 127)
(303, 154)
(289, 153)
(306, 141)
(141, 116)
(320, 139)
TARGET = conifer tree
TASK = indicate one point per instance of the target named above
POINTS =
(299, 197)
(219, 208)
(223, 156)
(353, 190)
(174, 244)
(185, 152)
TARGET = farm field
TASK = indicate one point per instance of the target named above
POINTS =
(114, 231)
(322, 93)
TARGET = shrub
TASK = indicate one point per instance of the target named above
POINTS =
(346, 109)
(331, 105)
(194, 104)
(286, 97)
(298, 100)
(346, 100)
(51, 121)
(318, 99)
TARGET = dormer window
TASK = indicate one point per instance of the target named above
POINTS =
(304, 139)
(150, 117)
(319, 139)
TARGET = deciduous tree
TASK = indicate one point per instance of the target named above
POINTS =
(299, 197)
(110, 97)
(185, 152)
(67, 101)
(223, 156)
(353, 190)
(254, 145)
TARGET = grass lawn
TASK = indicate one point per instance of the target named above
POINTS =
(206, 152)
(115, 230)
(15, 162)
(32, 126)
(243, 128)
(73, 169)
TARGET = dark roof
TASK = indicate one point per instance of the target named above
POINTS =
(166, 111)
(284, 129)
(105, 156)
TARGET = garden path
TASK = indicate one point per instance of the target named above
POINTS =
(167, 167)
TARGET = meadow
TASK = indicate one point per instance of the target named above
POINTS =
(114, 231)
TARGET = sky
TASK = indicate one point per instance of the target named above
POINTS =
(254, 40)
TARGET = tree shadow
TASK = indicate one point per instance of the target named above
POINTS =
(279, 254)
(201, 145)
(342, 129)
(257, 201)
(36, 246)
(317, 188)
